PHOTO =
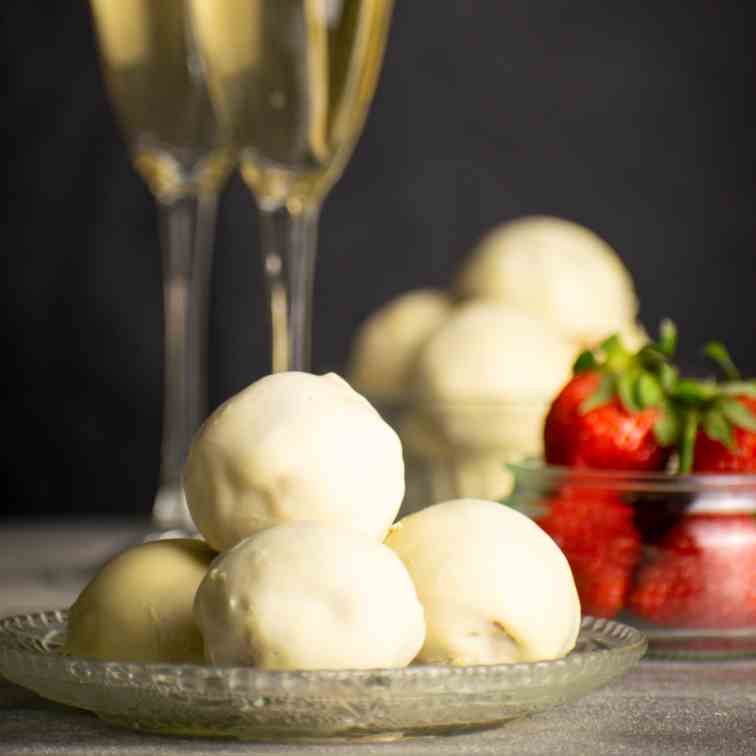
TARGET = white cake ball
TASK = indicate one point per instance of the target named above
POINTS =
(556, 269)
(293, 446)
(490, 351)
(488, 374)
(305, 595)
(138, 607)
(386, 344)
(494, 586)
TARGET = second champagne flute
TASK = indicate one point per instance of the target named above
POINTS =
(292, 81)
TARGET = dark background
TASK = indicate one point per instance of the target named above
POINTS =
(629, 117)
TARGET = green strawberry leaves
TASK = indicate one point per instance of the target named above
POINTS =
(668, 377)
(739, 388)
(713, 405)
(717, 352)
(610, 354)
(718, 413)
(667, 341)
(649, 379)
(639, 389)
(737, 414)
(626, 389)
(725, 410)
(667, 425)
(641, 380)
(586, 360)
(716, 426)
(603, 394)
(648, 390)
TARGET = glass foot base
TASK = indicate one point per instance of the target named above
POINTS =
(170, 516)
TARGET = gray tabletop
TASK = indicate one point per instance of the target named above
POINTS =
(661, 708)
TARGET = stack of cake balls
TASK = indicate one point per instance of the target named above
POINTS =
(466, 372)
(294, 485)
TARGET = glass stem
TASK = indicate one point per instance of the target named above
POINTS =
(187, 228)
(289, 239)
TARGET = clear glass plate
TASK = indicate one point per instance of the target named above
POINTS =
(249, 703)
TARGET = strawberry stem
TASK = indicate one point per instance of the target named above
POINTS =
(691, 419)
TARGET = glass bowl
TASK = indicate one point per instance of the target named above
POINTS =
(673, 555)
(461, 449)
(248, 703)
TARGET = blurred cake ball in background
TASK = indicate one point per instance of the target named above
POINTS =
(487, 350)
(387, 342)
(465, 375)
(558, 270)
(481, 389)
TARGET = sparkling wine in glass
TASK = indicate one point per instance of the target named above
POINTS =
(156, 83)
(292, 81)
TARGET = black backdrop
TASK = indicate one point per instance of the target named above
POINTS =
(629, 117)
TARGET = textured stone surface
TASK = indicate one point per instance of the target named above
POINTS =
(658, 708)
(664, 708)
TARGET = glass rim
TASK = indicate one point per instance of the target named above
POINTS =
(15, 633)
(535, 470)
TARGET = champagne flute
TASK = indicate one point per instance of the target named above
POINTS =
(155, 81)
(292, 81)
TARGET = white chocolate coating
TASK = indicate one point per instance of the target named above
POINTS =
(305, 595)
(488, 375)
(495, 587)
(386, 344)
(139, 605)
(556, 269)
(293, 446)
(490, 351)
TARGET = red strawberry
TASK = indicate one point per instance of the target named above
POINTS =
(732, 448)
(702, 574)
(717, 419)
(608, 436)
(614, 412)
(595, 531)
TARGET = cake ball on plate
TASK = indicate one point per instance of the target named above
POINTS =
(495, 587)
(293, 446)
(558, 270)
(387, 342)
(138, 607)
(305, 595)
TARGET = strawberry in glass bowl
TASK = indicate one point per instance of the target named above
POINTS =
(648, 485)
